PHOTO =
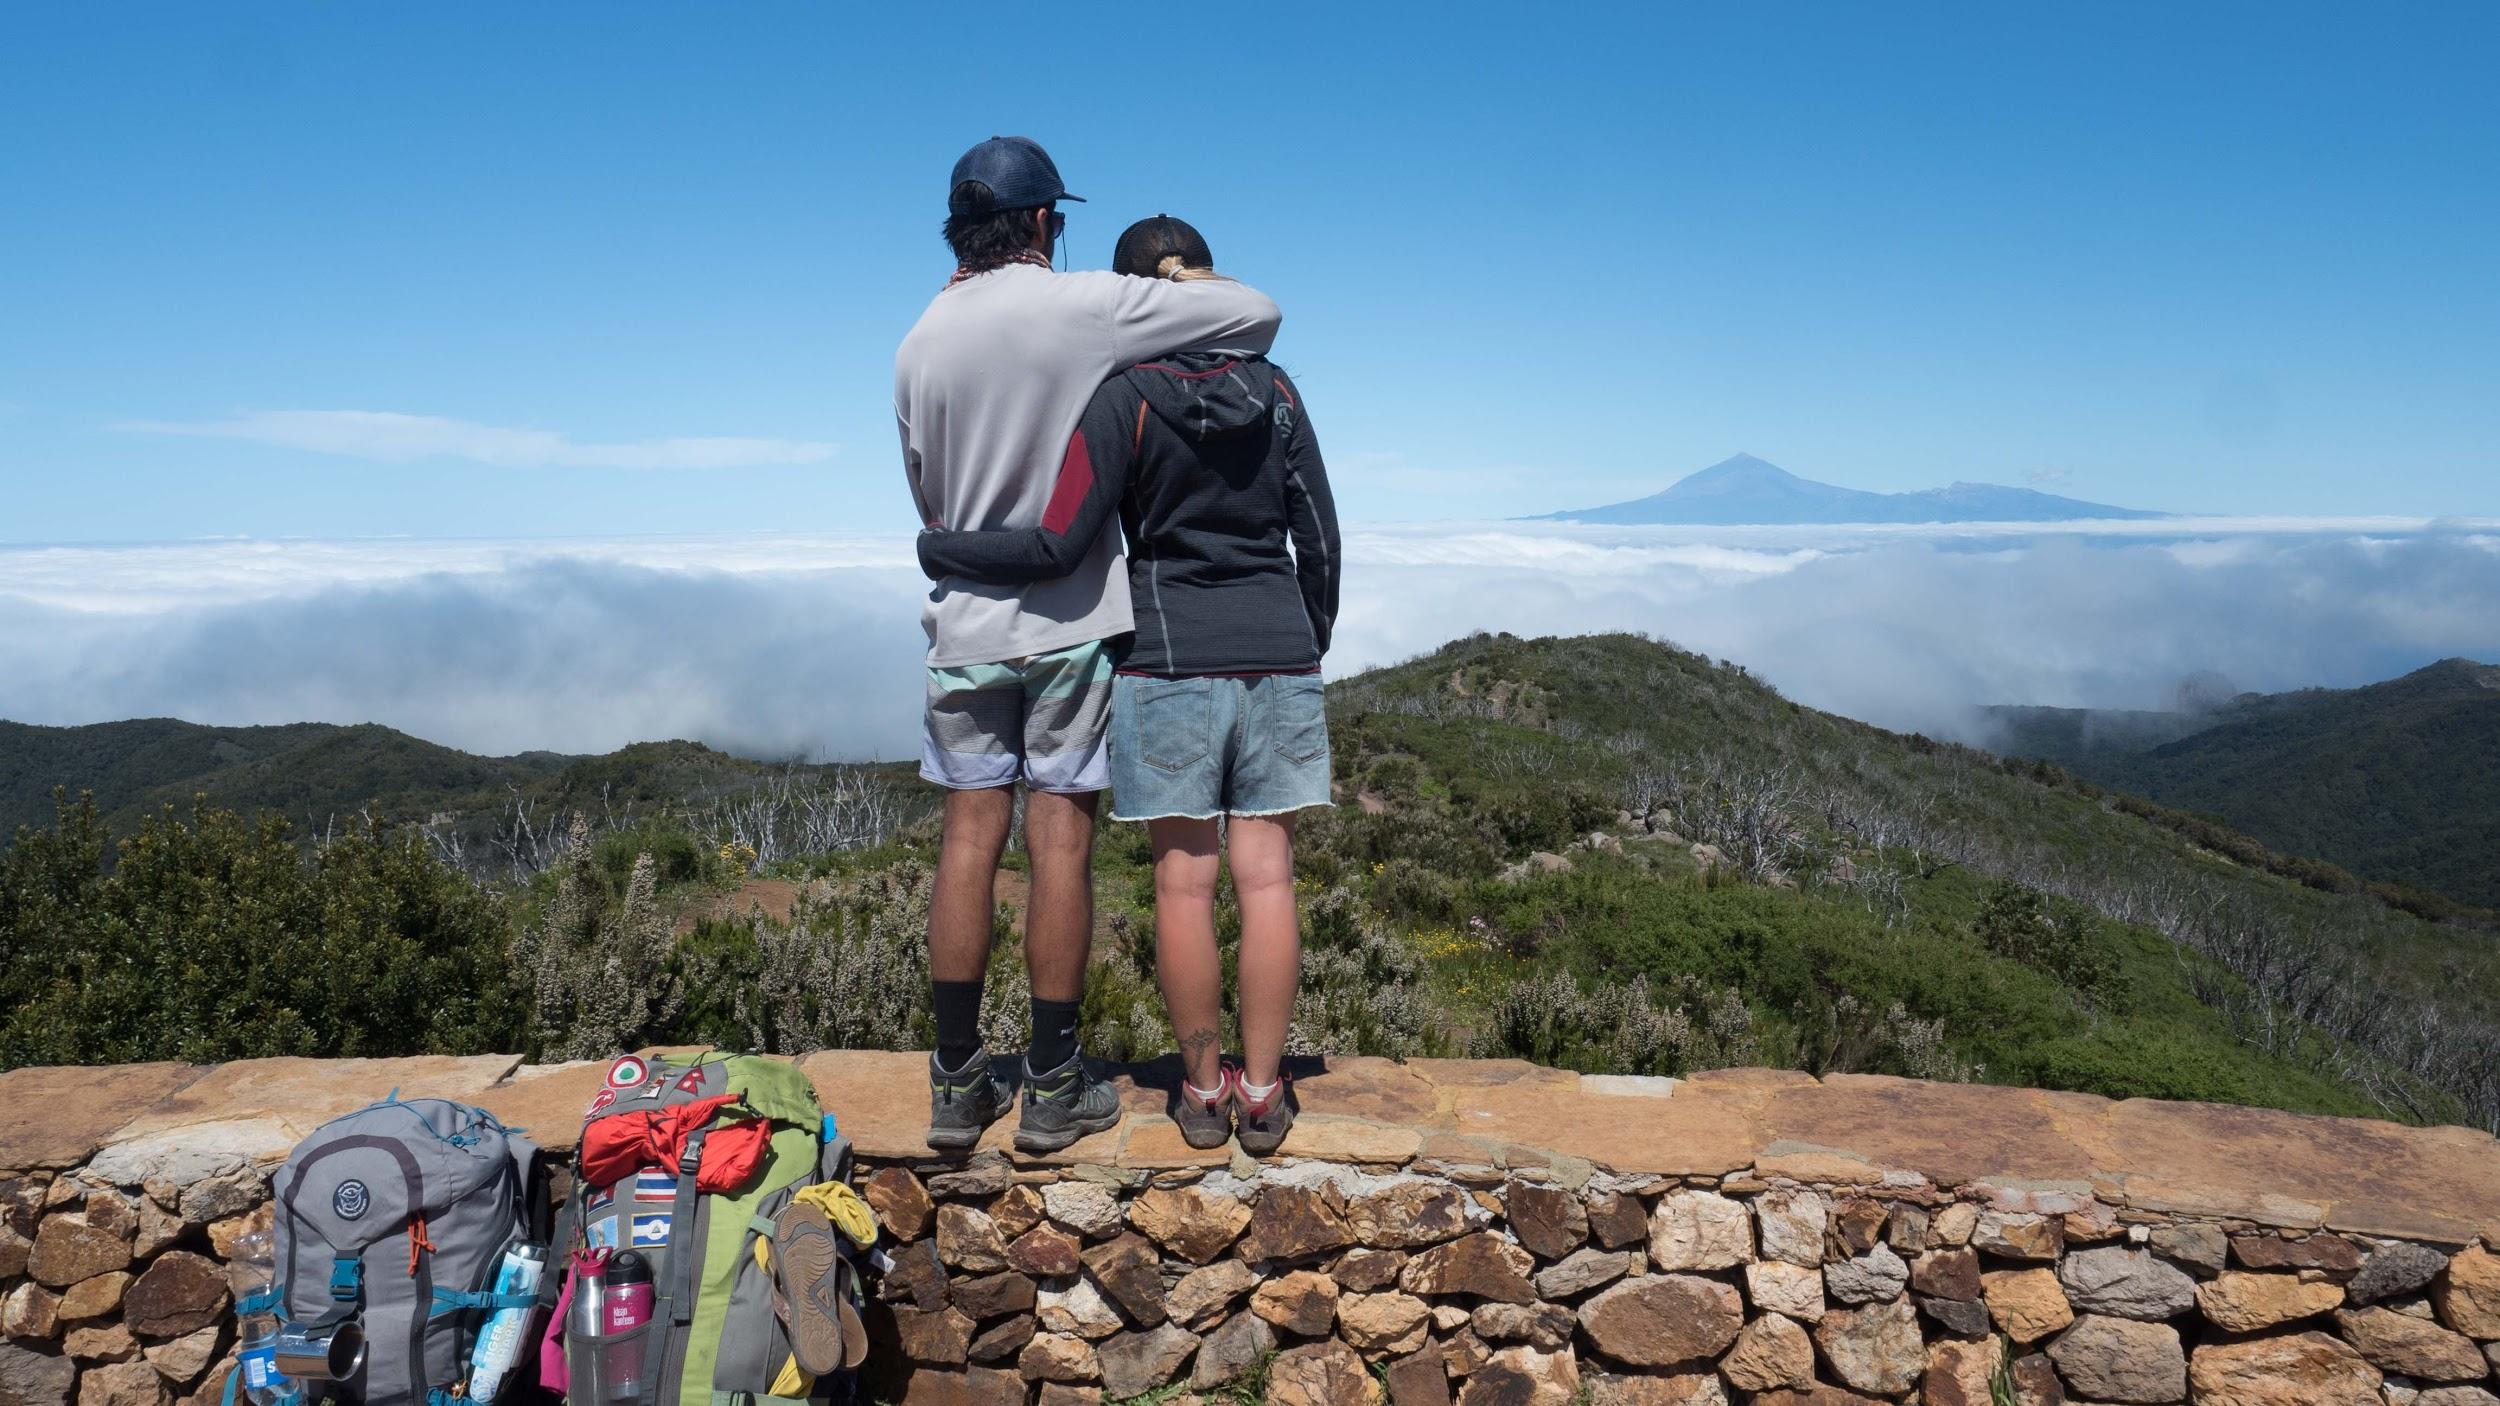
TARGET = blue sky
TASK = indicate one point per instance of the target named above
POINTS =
(2234, 257)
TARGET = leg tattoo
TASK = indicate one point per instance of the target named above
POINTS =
(1198, 1044)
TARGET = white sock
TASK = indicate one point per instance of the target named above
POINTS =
(1258, 1093)
(1207, 1096)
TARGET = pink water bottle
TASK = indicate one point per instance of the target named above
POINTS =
(627, 1280)
(626, 1286)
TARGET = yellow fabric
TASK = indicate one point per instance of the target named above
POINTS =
(858, 1224)
(842, 1206)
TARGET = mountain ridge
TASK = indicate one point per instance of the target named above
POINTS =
(2395, 780)
(1743, 489)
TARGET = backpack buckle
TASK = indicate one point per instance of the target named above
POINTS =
(347, 1279)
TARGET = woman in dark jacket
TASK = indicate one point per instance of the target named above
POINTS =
(1217, 715)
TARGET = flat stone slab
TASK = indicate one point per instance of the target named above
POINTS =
(290, 1097)
(54, 1116)
(545, 1102)
(2435, 1184)
(879, 1099)
(1695, 1131)
(1947, 1133)
(2438, 1185)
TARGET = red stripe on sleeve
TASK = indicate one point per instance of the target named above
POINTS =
(1076, 475)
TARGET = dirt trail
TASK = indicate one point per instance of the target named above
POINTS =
(779, 898)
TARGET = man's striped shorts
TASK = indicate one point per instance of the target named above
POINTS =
(1040, 719)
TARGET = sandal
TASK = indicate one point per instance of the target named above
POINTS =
(825, 1331)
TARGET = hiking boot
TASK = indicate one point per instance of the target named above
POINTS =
(1262, 1126)
(1062, 1105)
(1204, 1123)
(963, 1103)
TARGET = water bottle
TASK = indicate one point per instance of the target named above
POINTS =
(628, 1284)
(627, 1288)
(252, 1272)
(507, 1330)
(589, 1314)
(585, 1318)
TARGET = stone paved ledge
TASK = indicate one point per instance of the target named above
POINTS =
(1438, 1233)
(2437, 1185)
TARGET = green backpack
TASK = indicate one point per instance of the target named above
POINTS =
(752, 1135)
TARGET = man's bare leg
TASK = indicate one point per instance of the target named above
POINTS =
(962, 911)
(1063, 1101)
(1058, 917)
(965, 1094)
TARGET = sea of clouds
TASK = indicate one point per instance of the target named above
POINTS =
(809, 645)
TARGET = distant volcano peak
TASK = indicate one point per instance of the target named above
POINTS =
(1744, 489)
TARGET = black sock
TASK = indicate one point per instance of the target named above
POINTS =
(958, 1006)
(1054, 1034)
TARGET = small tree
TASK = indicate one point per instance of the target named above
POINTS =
(601, 974)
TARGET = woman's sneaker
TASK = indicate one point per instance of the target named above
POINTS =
(1263, 1123)
(963, 1103)
(1062, 1105)
(1204, 1122)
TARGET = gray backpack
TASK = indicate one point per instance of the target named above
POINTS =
(391, 1224)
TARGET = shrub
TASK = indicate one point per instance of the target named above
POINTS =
(218, 938)
(850, 970)
(602, 974)
(1550, 1019)
(1362, 985)
(2055, 936)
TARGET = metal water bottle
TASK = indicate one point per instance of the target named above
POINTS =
(588, 1316)
(507, 1330)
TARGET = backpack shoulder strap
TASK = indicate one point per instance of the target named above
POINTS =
(529, 1165)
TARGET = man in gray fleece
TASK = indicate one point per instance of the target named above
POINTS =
(988, 389)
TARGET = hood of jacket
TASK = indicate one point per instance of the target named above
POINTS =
(1207, 395)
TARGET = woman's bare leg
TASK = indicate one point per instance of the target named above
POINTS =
(1261, 854)
(1186, 964)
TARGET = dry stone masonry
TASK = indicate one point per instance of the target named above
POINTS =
(1438, 1234)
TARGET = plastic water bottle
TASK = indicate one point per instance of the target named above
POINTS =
(252, 1272)
(628, 1284)
(629, 1296)
(507, 1330)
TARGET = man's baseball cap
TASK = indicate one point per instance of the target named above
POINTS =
(1018, 172)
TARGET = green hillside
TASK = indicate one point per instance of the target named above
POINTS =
(1598, 852)
(316, 775)
(305, 771)
(2397, 781)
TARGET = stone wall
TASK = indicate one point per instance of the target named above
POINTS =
(1421, 1255)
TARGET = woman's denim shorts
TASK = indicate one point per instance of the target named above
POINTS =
(1206, 747)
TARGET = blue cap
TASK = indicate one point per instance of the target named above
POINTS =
(1017, 171)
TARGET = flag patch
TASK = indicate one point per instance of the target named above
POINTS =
(600, 1234)
(651, 1230)
(650, 1185)
(601, 1199)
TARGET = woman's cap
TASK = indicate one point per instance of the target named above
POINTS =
(1019, 175)
(1146, 244)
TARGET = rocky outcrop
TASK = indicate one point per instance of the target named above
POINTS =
(1451, 1234)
